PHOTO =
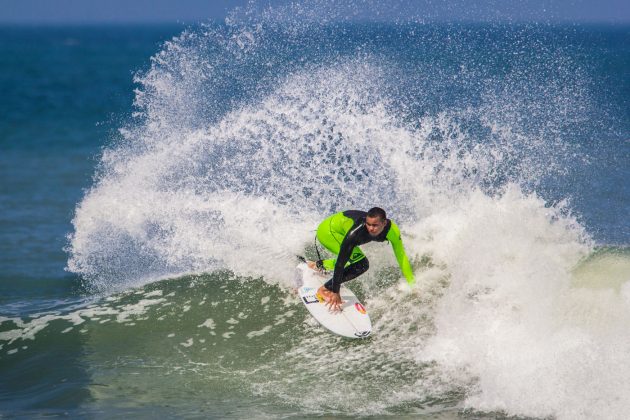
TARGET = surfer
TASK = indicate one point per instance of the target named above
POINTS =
(341, 234)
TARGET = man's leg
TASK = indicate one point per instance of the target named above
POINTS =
(331, 240)
(351, 271)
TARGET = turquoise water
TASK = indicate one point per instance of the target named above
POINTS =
(157, 182)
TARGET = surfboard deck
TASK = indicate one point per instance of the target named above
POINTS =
(352, 322)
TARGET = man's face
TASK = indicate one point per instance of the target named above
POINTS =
(374, 225)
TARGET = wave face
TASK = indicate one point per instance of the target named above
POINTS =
(247, 134)
(522, 338)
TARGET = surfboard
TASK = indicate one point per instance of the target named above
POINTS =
(352, 322)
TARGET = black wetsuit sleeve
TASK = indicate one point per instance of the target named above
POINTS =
(347, 245)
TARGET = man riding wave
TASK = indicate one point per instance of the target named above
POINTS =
(341, 234)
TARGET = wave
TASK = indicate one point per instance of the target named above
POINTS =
(247, 191)
(247, 135)
(495, 342)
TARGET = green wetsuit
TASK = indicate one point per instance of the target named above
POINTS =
(342, 233)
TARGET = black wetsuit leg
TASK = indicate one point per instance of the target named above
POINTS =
(350, 272)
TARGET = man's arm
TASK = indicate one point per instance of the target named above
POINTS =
(393, 236)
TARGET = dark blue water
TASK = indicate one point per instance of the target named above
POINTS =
(67, 91)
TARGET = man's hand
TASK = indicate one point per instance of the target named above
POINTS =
(312, 265)
(334, 302)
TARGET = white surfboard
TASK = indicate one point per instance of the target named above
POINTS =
(353, 321)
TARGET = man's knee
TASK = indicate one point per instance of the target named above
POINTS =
(356, 269)
(351, 272)
(363, 265)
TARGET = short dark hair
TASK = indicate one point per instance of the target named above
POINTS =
(377, 212)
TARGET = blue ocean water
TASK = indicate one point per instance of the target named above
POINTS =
(65, 89)
(157, 182)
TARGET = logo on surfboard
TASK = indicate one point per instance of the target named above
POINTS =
(310, 299)
(313, 298)
(360, 308)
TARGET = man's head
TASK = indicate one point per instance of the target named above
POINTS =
(375, 221)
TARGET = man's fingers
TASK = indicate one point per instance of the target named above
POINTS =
(333, 303)
(335, 306)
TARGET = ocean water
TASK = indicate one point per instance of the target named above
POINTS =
(158, 181)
